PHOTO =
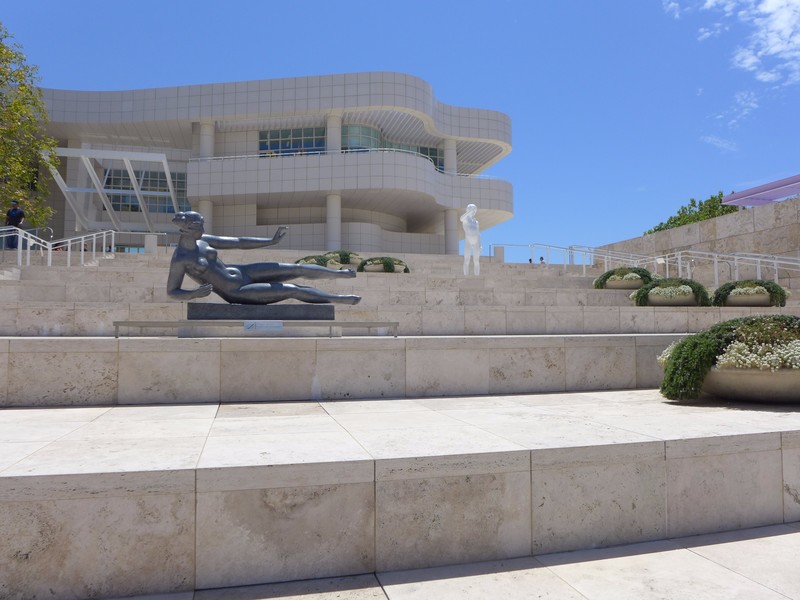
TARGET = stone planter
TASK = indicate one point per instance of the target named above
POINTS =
(379, 268)
(623, 284)
(753, 385)
(748, 300)
(656, 300)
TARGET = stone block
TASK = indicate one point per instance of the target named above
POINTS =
(790, 443)
(258, 370)
(600, 362)
(598, 496)
(723, 483)
(442, 510)
(169, 370)
(83, 538)
(61, 371)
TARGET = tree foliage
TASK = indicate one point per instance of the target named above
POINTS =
(694, 212)
(25, 150)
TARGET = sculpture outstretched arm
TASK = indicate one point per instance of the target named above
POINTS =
(244, 243)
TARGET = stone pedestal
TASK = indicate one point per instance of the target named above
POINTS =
(261, 312)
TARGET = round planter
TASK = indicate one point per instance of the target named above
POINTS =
(656, 300)
(373, 268)
(623, 284)
(748, 300)
(753, 385)
(379, 268)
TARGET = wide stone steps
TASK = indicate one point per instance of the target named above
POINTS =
(105, 502)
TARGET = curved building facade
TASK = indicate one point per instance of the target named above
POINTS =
(367, 161)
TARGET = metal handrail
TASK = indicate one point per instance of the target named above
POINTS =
(682, 262)
(82, 245)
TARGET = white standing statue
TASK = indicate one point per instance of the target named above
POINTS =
(472, 239)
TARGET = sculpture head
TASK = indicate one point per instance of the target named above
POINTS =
(471, 209)
(188, 221)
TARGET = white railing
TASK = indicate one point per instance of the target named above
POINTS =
(311, 152)
(686, 263)
(82, 246)
(581, 256)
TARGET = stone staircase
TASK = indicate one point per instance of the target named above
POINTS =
(514, 415)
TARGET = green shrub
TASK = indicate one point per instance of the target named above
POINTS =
(687, 362)
(343, 257)
(641, 296)
(387, 261)
(777, 295)
(313, 260)
(620, 273)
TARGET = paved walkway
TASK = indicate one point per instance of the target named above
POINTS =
(751, 564)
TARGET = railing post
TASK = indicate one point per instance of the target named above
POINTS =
(775, 266)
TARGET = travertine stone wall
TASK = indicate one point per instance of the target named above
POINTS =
(769, 229)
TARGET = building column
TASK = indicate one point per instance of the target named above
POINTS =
(451, 231)
(450, 160)
(333, 133)
(333, 222)
(207, 139)
(206, 208)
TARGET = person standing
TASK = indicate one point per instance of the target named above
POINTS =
(14, 218)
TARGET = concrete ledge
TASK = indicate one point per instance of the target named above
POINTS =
(166, 370)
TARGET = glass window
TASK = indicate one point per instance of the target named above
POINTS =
(154, 188)
(291, 141)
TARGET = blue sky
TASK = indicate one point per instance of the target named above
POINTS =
(622, 110)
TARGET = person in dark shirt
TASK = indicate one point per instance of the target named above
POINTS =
(14, 218)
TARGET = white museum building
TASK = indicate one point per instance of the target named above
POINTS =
(368, 162)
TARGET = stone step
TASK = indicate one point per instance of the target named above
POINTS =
(119, 501)
(82, 319)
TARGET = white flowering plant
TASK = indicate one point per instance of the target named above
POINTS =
(764, 342)
(751, 287)
(672, 287)
(623, 274)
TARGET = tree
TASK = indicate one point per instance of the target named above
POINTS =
(25, 149)
(694, 212)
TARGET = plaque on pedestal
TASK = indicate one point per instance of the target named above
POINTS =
(260, 312)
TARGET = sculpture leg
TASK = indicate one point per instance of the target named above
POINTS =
(268, 293)
(476, 263)
(278, 272)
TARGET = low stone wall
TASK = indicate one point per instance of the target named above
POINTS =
(108, 371)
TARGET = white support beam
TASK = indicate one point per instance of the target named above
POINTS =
(138, 191)
(83, 221)
(173, 196)
(98, 186)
